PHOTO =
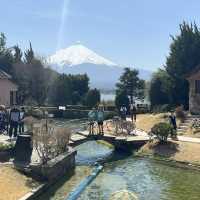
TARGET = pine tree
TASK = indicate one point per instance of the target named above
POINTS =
(2, 43)
(184, 56)
(29, 55)
(131, 84)
(17, 54)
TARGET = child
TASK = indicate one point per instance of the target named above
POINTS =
(100, 119)
(92, 118)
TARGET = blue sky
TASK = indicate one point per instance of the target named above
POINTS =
(128, 32)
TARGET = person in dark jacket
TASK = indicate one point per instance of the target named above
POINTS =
(14, 119)
(133, 112)
(2, 118)
(172, 121)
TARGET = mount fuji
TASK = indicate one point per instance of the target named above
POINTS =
(78, 59)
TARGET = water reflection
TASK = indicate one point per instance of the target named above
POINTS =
(92, 151)
(150, 180)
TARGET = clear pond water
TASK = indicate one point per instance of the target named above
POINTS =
(148, 179)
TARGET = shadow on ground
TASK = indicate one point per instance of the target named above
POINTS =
(165, 149)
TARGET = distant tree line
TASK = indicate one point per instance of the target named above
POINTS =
(169, 85)
(40, 85)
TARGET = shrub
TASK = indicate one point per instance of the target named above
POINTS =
(162, 130)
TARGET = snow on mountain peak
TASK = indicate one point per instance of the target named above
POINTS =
(77, 54)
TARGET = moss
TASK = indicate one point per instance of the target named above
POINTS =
(110, 146)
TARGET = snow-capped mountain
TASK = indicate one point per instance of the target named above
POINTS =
(78, 59)
(78, 54)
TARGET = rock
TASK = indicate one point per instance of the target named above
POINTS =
(123, 195)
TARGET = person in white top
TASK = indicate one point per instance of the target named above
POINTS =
(21, 122)
(14, 119)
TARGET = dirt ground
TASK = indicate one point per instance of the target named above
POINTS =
(13, 184)
(175, 150)
(147, 121)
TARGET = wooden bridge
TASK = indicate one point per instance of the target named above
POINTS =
(120, 142)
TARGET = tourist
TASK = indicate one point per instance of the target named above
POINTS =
(21, 122)
(100, 119)
(123, 112)
(172, 120)
(92, 116)
(14, 119)
(2, 118)
(133, 112)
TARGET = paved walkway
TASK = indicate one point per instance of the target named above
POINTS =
(188, 139)
(180, 138)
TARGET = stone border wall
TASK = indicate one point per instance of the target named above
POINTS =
(54, 169)
(57, 167)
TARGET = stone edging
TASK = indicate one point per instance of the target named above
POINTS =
(64, 163)
(35, 192)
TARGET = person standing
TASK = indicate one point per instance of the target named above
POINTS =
(14, 119)
(172, 120)
(21, 122)
(2, 119)
(100, 119)
(92, 115)
(123, 112)
(133, 112)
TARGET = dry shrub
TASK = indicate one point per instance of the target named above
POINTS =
(128, 126)
(29, 122)
(119, 126)
(50, 140)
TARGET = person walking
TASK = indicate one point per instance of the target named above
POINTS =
(14, 119)
(100, 119)
(133, 112)
(92, 116)
(123, 112)
(21, 122)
